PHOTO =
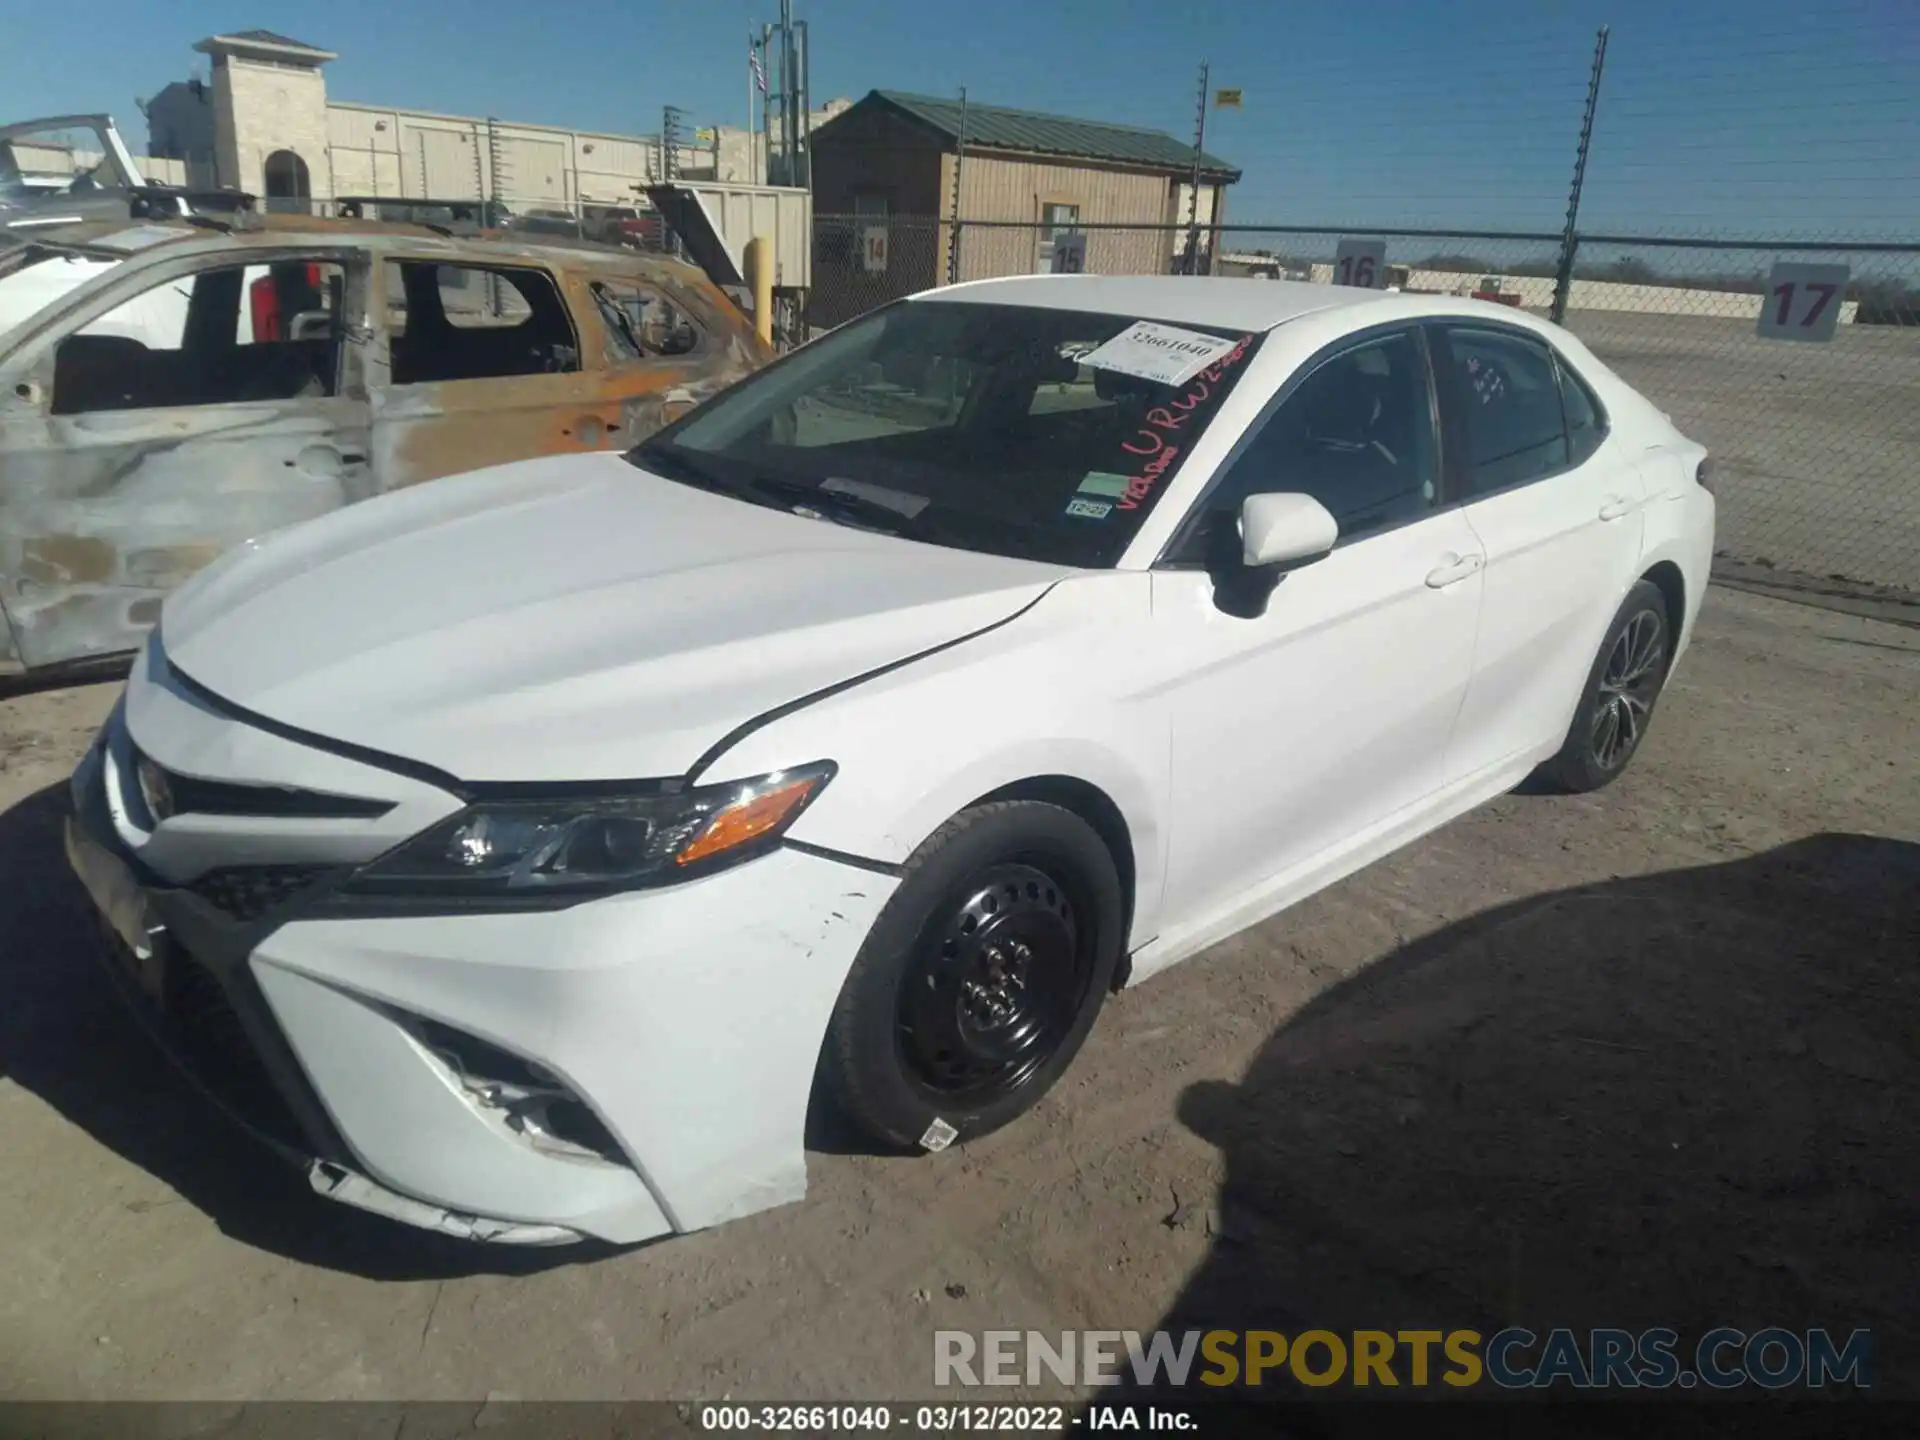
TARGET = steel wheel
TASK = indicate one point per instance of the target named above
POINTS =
(994, 986)
(1629, 684)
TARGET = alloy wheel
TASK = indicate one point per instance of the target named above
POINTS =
(1629, 683)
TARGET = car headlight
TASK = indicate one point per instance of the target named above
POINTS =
(569, 844)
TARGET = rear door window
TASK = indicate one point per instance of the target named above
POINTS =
(1506, 389)
(475, 322)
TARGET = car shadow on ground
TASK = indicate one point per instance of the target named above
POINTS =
(66, 1036)
(1689, 1099)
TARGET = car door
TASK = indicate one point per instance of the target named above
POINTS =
(1557, 506)
(1297, 731)
(188, 407)
(485, 364)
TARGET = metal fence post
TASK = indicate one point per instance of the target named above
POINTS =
(1570, 240)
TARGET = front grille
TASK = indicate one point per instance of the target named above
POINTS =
(246, 892)
(214, 1042)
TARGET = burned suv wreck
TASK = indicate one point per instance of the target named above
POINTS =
(171, 389)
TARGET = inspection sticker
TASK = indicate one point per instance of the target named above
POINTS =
(1165, 353)
(1089, 509)
(1103, 482)
(939, 1135)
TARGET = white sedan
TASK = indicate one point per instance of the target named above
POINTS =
(526, 851)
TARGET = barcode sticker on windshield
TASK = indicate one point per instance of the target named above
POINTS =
(1165, 353)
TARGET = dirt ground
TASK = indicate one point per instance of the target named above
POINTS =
(1645, 1057)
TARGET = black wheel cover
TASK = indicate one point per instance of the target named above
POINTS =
(992, 989)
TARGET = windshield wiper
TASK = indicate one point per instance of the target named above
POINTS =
(842, 507)
(678, 464)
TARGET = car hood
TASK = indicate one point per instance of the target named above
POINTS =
(569, 618)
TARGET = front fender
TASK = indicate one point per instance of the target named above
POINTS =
(1061, 691)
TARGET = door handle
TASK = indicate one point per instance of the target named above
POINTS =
(1455, 569)
(1616, 506)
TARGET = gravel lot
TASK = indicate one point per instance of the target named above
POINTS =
(1638, 1058)
(1819, 445)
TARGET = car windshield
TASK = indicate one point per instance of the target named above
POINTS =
(1038, 433)
(55, 160)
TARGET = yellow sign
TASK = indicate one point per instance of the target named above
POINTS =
(1226, 99)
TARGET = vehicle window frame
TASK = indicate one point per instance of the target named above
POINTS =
(382, 310)
(1185, 548)
(33, 356)
(1458, 413)
(704, 339)
(1565, 371)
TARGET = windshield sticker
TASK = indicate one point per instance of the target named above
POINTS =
(1147, 441)
(1089, 509)
(1104, 482)
(138, 238)
(1165, 353)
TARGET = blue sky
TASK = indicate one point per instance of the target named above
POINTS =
(1763, 117)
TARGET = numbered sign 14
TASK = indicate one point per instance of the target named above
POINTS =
(1802, 302)
(1360, 262)
(873, 249)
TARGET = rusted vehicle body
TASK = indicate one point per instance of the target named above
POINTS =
(169, 390)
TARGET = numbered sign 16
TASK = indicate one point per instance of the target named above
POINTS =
(1070, 254)
(1802, 301)
(873, 249)
(1360, 262)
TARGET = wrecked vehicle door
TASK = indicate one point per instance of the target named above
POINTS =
(489, 362)
(158, 418)
(61, 170)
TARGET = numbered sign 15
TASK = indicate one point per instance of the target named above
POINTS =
(1360, 262)
(1802, 302)
(873, 249)
(1070, 254)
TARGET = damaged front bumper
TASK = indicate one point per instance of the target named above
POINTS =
(194, 1016)
(621, 1069)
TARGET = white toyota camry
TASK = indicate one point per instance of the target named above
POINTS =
(526, 851)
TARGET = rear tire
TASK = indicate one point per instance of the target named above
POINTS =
(981, 978)
(1621, 691)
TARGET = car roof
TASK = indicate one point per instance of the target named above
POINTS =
(1239, 304)
(126, 238)
(1233, 303)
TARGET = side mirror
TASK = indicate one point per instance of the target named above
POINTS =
(1285, 529)
(1248, 552)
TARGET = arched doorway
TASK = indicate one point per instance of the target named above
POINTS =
(287, 184)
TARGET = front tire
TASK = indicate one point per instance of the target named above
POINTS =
(981, 978)
(1617, 704)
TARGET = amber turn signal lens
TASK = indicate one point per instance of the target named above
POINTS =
(748, 820)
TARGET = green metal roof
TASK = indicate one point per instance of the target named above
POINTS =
(995, 127)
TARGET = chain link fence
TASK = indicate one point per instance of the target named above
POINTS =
(1816, 445)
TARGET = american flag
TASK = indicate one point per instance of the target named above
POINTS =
(759, 75)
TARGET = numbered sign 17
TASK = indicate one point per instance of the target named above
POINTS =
(1360, 262)
(873, 249)
(1802, 302)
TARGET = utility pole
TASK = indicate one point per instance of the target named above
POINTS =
(1570, 239)
(1193, 197)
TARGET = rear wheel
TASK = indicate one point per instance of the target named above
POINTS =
(1622, 689)
(981, 978)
